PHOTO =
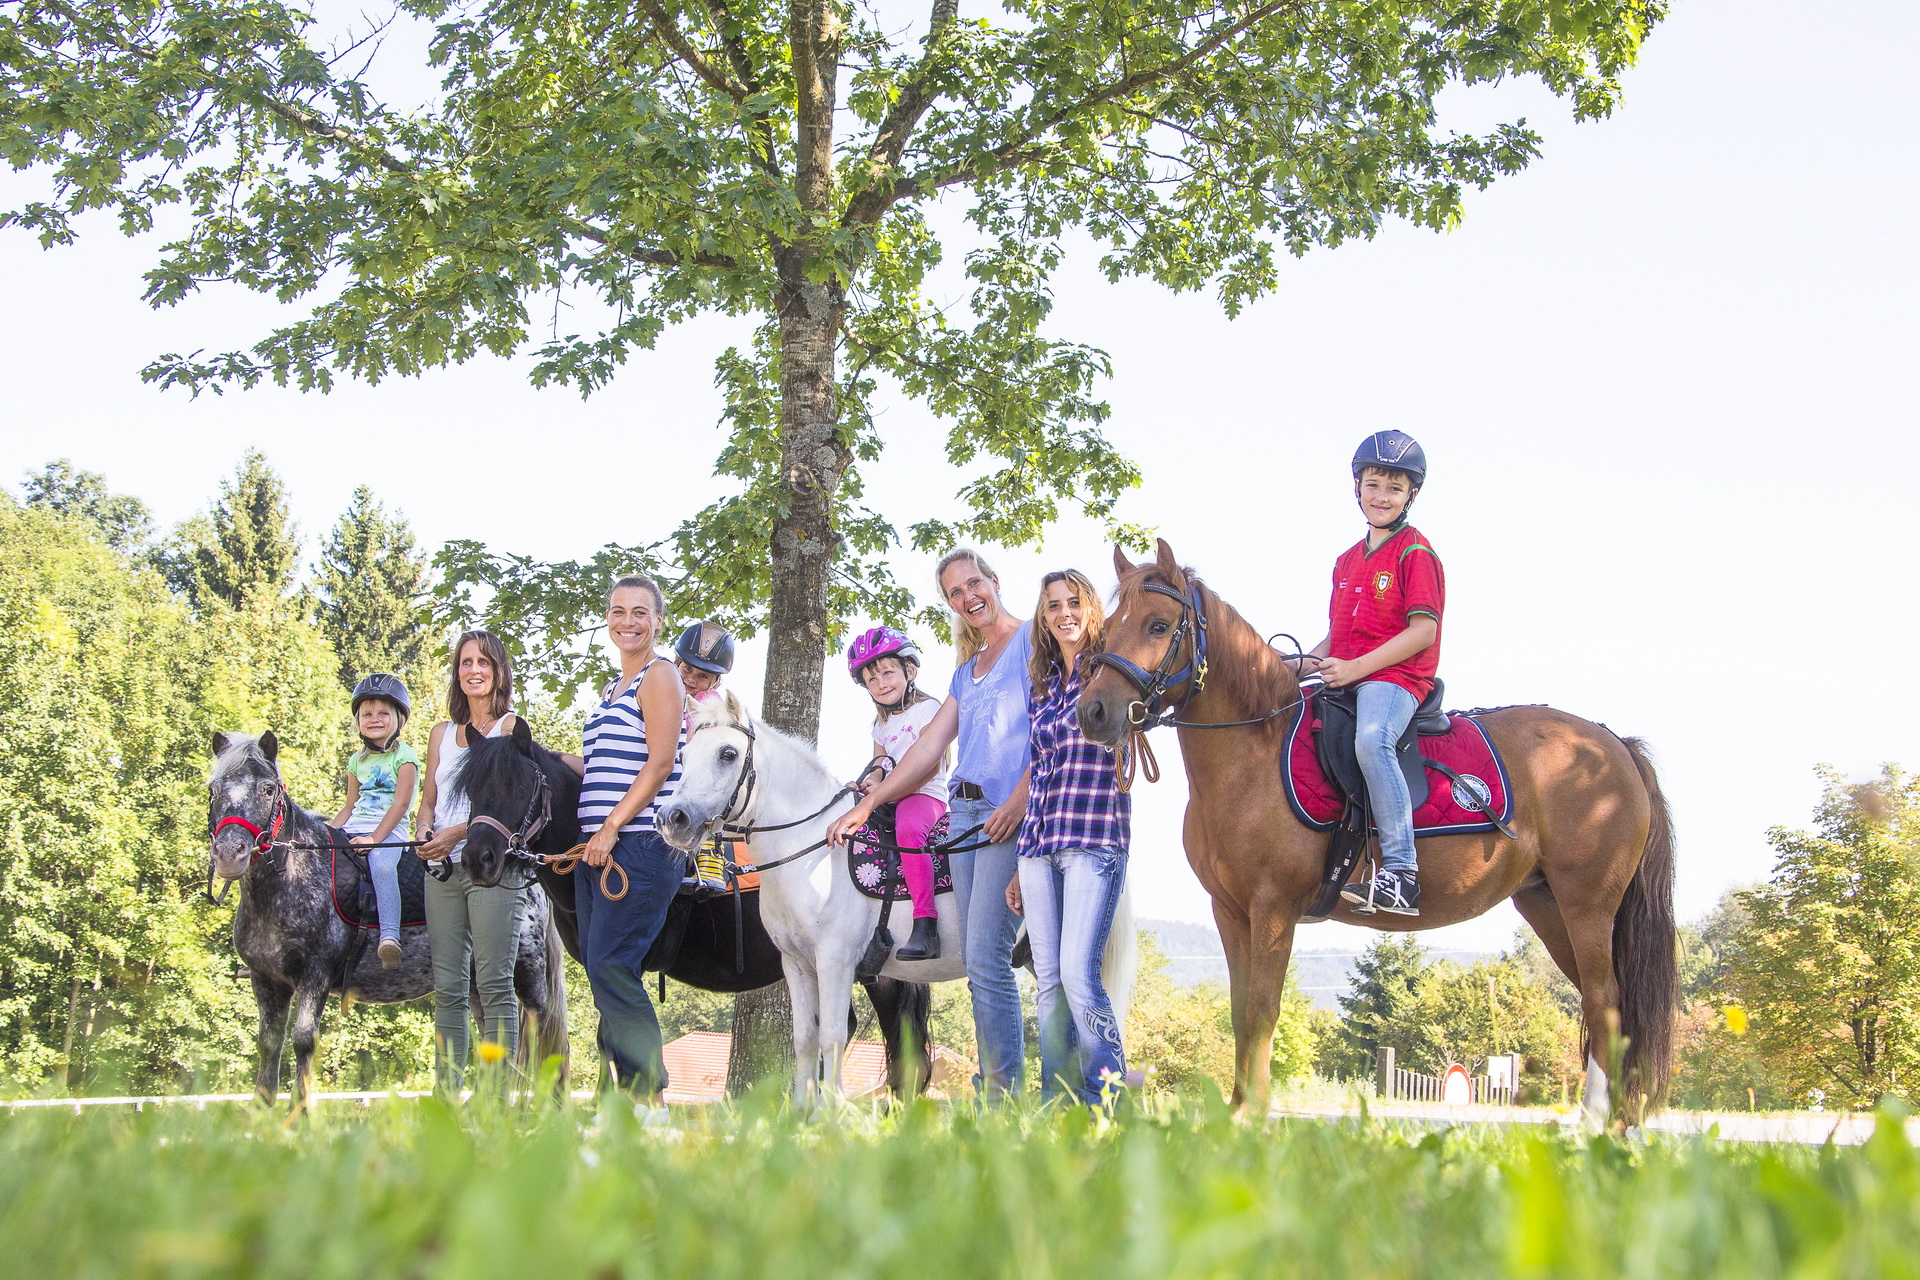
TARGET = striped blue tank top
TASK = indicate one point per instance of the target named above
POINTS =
(615, 744)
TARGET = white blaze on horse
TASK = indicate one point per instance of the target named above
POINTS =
(741, 774)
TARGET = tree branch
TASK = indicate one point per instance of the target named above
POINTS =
(696, 61)
(1027, 148)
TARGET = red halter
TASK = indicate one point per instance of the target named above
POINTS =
(262, 840)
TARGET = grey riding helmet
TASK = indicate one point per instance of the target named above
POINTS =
(384, 686)
(1393, 449)
(715, 657)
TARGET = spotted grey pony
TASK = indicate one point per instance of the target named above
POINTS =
(295, 944)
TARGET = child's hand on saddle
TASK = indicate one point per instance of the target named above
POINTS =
(1341, 672)
(849, 822)
(600, 845)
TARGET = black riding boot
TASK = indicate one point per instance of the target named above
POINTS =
(924, 942)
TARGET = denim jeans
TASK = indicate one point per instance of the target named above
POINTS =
(1070, 899)
(615, 937)
(980, 880)
(385, 865)
(1383, 712)
(474, 933)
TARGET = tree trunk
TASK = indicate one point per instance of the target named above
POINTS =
(813, 458)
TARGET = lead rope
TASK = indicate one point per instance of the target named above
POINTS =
(564, 863)
(1135, 751)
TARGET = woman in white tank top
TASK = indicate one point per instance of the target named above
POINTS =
(471, 929)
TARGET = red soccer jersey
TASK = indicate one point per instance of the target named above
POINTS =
(1376, 594)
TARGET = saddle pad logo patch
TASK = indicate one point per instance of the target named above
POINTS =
(1473, 793)
(1382, 583)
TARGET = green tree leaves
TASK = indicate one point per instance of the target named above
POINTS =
(1828, 969)
(244, 547)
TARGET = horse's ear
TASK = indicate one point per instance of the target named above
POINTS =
(1120, 562)
(523, 736)
(270, 747)
(220, 744)
(736, 710)
(1169, 565)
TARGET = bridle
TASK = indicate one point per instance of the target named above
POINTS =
(265, 840)
(520, 839)
(740, 800)
(1148, 710)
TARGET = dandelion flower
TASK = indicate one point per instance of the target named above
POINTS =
(492, 1051)
(1736, 1019)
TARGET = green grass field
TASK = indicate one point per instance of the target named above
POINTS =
(419, 1188)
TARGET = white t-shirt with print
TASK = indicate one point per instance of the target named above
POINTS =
(898, 732)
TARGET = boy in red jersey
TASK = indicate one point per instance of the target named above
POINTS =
(1389, 592)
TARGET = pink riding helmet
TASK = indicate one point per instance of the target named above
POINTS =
(876, 643)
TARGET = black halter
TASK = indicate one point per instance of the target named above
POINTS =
(741, 800)
(1147, 711)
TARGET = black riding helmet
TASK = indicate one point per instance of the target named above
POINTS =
(383, 686)
(716, 658)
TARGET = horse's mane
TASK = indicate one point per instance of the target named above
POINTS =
(1239, 663)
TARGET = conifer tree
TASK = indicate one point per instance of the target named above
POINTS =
(245, 544)
(373, 584)
(1376, 1010)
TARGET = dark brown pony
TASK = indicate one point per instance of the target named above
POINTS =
(1591, 870)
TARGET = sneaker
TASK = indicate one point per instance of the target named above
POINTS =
(924, 942)
(389, 953)
(1359, 896)
(1397, 892)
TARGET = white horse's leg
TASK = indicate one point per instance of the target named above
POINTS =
(803, 990)
(835, 967)
(1596, 1106)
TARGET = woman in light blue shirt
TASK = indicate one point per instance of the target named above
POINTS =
(986, 713)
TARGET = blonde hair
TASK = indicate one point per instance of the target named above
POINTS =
(967, 638)
(1046, 645)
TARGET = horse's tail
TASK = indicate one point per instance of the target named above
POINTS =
(551, 1029)
(1645, 964)
(1120, 963)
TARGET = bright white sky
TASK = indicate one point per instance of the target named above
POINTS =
(1658, 377)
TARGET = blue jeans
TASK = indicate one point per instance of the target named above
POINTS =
(1383, 713)
(615, 937)
(1070, 898)
(980, 879)
(385, 865)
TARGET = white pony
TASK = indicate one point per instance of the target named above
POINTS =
(743, 774)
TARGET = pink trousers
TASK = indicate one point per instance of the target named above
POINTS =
(913, 818)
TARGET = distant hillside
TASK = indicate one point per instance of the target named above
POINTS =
(1194, 956)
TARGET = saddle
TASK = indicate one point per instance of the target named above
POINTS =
(1329, 793)
(353, 898)
(876, 872)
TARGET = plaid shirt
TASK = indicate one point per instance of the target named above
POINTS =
(1073, 802)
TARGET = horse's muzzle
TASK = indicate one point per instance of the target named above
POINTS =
(680, 827)
(231, 853)
(1099, 720)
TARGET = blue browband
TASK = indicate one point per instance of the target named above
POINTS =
(1147, 712)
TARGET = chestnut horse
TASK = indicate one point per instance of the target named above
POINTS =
(1590, 869)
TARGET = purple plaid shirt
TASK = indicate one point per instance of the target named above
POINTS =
(1073, 802)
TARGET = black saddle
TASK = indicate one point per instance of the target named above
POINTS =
(353, 898)
(1337, 709)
